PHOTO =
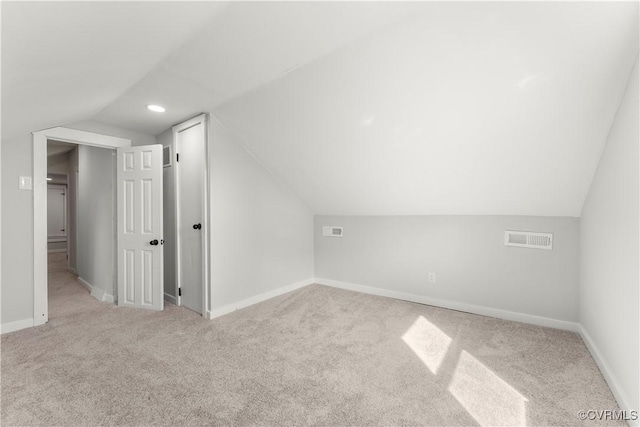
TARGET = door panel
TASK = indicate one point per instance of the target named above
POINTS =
(190, 203)
(140, 236)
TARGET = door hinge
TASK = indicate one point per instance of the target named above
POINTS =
(179, 292)
(177, 157)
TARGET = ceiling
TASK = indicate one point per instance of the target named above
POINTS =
(358, 107)
(55, 148)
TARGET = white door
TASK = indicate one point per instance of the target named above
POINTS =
(190, 183)
(56, 211)
(140, 238)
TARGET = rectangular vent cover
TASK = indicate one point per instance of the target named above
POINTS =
(332, 231)
(528, 239)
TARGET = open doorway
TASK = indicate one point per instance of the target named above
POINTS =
(62, 159)
(81, 225)
(138, 220)
(40, 205)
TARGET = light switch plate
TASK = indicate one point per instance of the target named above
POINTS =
(24, 183)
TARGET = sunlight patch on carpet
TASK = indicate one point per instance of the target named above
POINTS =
(428, 342)
(485, 396)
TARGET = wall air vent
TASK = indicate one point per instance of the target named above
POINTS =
(332, 231)
(528, 239)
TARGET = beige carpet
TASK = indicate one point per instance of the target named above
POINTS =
(314, 356)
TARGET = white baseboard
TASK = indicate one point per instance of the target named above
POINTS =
(613, 383)
(5, 328)
(56, 239)
(85, 284)
(229, 308)
(170, 298)
(99, 294)
(453, 305)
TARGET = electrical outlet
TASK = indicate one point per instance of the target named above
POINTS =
(432, 277)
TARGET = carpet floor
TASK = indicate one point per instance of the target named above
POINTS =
(318, 355)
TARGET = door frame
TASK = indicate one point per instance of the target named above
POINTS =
(39, 138)
(204, 119)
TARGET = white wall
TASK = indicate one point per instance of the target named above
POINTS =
(169, 217)
(72, 192)
(609, 254)
(58, 163)
(468, 255)
(17, 232)
(261, 234)
(96, 218)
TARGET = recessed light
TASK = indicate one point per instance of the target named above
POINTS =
(49, 179)
(156, 108)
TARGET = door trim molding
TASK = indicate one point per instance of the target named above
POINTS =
(39, 139)
(204, 119)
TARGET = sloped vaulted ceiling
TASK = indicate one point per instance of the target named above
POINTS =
(357, 107)
(66, 61)
(465, 108)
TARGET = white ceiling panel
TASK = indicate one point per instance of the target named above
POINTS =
(65, 61)
(359, 107)
(483, 108)
(182, 98)
(245, 45)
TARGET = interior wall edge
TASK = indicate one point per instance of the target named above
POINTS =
(613, 383)
(97, 293)
(170, 298)
(239, 140)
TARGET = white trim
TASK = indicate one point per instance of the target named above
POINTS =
(88, 138)
(195, 121)
(614, 385)
(86, 284)
(170, 298)
(99, 294)
(16, 326)
(40, 303)
(226, 309)
(452, 305)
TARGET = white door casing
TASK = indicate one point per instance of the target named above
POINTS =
(140, 227)
(190, 147)
(39, 138)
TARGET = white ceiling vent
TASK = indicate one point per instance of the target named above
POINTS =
(528, 239)
(332, 231)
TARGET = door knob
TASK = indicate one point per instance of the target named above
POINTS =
(154, 242)
(197, 226)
